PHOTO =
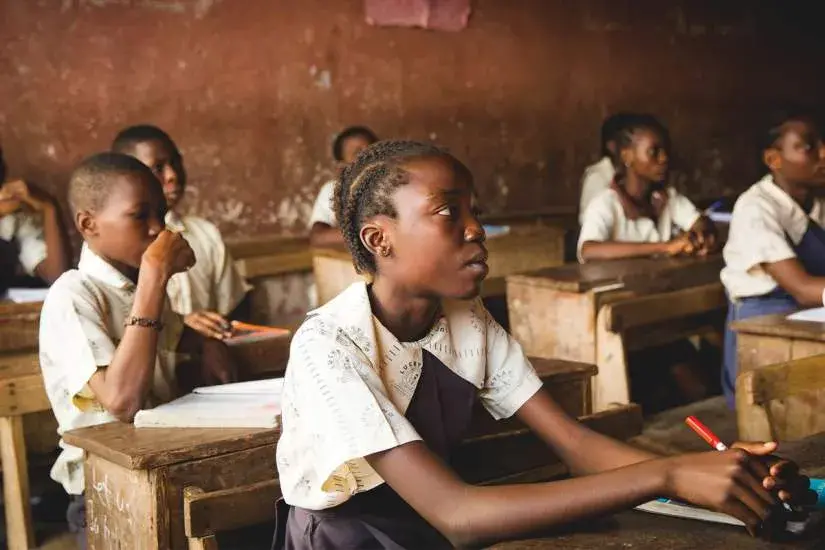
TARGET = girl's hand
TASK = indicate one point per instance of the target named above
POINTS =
(680, 246)
(778, 475)
(728, 482)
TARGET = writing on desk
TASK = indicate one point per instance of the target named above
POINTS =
(101, 501)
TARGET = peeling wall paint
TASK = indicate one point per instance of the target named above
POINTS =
(254, 90)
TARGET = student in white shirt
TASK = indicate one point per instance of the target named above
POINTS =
(108, 341)
(382, 381)
(213, 292)
(597, 176)
(323, 227)
(775, 253)
(637, 215)
(31, 232)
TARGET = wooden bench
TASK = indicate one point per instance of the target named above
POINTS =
(206, 514)
(782, 402)
(596, 312)
(771, 339)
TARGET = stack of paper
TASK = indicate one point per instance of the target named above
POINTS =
(243, 405)
(667, 507)
(815, 315)
(26, 295)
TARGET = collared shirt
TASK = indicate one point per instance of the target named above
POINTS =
(349, 382)
(606, 220)
(213, 283)
(81, 325)
(322, 211)
(596, 178)
(764, 219)
(27, 231)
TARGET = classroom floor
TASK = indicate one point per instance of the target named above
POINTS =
(664, 433)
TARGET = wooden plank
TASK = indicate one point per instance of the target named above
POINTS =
(612, 384)
(140, 448)
(270, 255)
(19, 530)
(266, 357)
(208, 513)
(658, 308)
(24, 394)
(778, 325)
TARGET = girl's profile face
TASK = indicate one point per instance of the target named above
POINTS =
(436, 239)
(647, 155)
(799, 154)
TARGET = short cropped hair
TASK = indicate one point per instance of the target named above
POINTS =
(91, 182)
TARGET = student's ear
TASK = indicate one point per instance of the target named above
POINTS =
(772, 159)
(375, 238)
(627, 156)
(86, 224)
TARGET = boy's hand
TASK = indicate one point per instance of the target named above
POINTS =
(209, 324)
(217, 364)
(168, 254)
(680, 245)
(779, 475)
(30, 195)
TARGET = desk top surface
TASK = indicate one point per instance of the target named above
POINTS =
(13, 309)
(639, 272)
(778, 325)
(143, 448)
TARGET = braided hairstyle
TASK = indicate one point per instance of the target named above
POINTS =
(625, 135)
(366, 186)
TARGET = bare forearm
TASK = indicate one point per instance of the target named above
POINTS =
(484, 515)
(322, 234)
(128, 377)
(57, 248)
(598, 453)
(615, 250)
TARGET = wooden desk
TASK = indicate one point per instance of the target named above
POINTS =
(596, 312)
(771, 339)
(135, 477)
(642, 530)
(21, 392)
(528, 246)
(270, 255)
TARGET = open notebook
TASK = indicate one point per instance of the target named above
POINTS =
(667, 507)
(243, 405)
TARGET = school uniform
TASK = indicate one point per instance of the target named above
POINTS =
(596, 178)
(322, 211)
(21, 244)
(213, 283)
(767, 226)
(611, 216)
(81, 324)
(352, 389)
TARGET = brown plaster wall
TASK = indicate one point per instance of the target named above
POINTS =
(253, 90)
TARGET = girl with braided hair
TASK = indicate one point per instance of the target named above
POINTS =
(382, 380)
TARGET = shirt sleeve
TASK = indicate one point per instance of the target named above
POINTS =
(683, 213)
(593, 183)
(229, 286)
(74, 335)
(31, 242)
(598, 224)
(510, 379)
(335, 403)
(322, 211)
(756, 237)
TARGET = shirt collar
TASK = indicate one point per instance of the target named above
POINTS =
(96, 267)
(174, 222)
(769, 187)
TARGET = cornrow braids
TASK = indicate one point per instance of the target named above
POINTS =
(365, 189)
(624, 137)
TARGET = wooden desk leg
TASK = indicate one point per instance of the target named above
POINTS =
(19, 528)
(611, 386)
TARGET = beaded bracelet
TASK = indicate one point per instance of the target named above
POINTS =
(143, 322)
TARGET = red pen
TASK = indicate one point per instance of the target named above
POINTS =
(705, 433)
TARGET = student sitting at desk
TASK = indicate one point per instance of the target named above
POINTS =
(323, 227)
(213, 292)
(108, 340)
(597, 176)
(382, 381)
(31, 232)
(638, 216)
(775, 254)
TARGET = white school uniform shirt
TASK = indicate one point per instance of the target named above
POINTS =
(81, 325)
(605, 220)
(764, 218)
(349, 382)
(322, 211)
(213, 283)
(27, 231)
(596, 178)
